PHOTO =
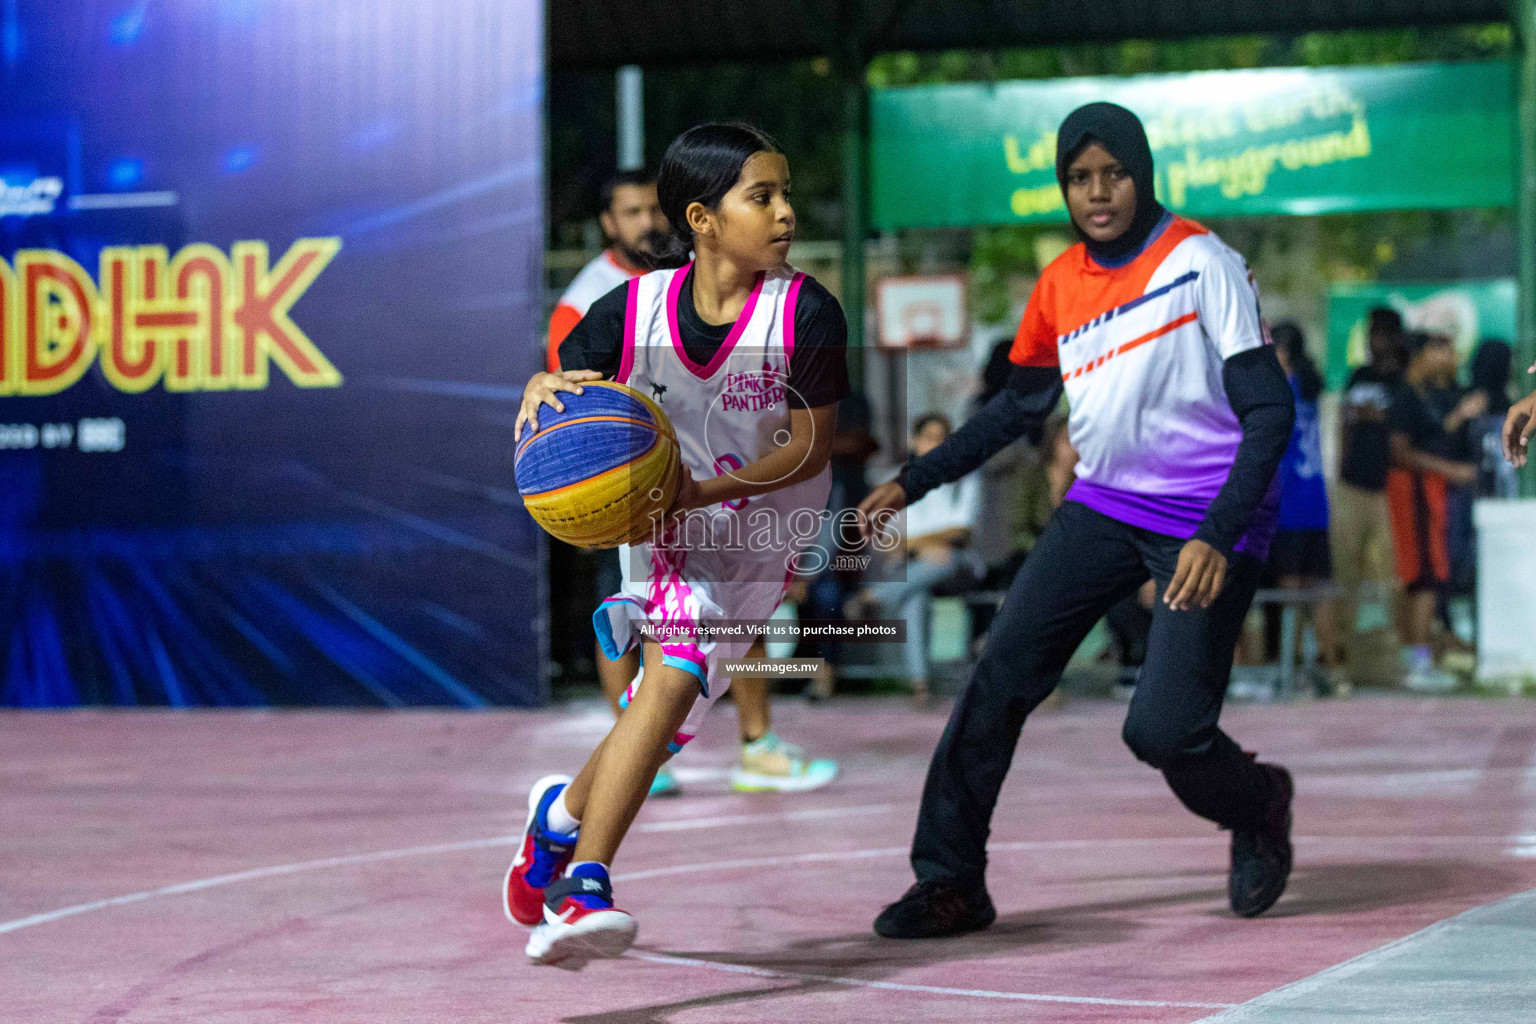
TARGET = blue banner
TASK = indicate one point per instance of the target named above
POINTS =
(269, 288)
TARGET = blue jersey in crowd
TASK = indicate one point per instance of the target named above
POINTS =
(1303, 493)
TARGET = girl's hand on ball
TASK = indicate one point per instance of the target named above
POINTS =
(689, 497)
(542, 389)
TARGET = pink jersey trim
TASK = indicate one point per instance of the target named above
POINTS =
(631, 314)
(674, 289)
(789, 316)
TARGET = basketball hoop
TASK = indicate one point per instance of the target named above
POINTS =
(922, 312)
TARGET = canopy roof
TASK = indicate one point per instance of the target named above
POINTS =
(596, 34)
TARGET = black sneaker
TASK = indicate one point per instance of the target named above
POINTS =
(931, 910)
(1261, 858)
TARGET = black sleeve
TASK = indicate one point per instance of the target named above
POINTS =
(1407, 414)
(1021, 407)
(818, 368)
(597, 340)
(1309, 381)
(1266, 409)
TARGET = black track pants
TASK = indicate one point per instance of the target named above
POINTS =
(1082, 565)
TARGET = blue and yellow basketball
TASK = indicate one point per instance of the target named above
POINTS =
(596, 474)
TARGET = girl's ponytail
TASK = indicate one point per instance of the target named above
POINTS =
(674, 253)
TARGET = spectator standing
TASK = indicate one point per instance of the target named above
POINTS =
(636, 229)
(1361, 536)
(1300, 555)
(1490, 370)
(1418, 484)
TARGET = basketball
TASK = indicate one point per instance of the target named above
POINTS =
(597, 474)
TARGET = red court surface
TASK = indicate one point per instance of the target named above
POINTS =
(326, 867)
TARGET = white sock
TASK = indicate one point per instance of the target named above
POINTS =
(560, 819)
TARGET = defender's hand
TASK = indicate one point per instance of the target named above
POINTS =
(1198, 578)
(889, 496)
(1518, 427)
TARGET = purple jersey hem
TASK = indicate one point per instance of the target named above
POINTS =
(1174, 516)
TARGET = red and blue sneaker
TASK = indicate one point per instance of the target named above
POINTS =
(580, 922)
(541, 859)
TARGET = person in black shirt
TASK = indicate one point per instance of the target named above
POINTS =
(1361, 529)
(1464, 416)
(1417, 495)
(1490, 369)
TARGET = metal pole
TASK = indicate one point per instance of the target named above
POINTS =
(856, 212)
(630, 86)
(1524, 14)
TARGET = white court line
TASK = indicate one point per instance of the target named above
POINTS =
(409, 851)
(1254, 1008)
(684, 824)
(253, 874)
(247, 876)
(895, 986)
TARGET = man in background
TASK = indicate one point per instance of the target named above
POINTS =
(636, 230)
(1425, 466)
(1361, 533)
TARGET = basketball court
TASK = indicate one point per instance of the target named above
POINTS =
(332, 866)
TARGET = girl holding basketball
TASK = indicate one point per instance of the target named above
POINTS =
(747, 359)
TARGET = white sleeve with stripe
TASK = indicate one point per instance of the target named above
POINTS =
(1228, 302)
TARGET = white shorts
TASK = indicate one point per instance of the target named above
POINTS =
(681, 590)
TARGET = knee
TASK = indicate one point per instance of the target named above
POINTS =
(1158, 744)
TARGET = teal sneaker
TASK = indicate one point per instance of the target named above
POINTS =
(665, 783)
(768, 764)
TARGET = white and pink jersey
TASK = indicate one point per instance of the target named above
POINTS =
(733, 561)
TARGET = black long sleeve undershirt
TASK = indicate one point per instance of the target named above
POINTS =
(1021, 407)
(1256, 389)
(1266, 408)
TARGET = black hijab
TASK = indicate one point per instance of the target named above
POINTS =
(1120, 132)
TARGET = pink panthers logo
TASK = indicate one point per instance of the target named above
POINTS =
(753, 390)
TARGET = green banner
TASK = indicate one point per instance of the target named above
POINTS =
(1469, 311)
(1227, 143)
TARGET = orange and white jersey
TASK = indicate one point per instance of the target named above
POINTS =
(596, 279)
(1140, 347)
